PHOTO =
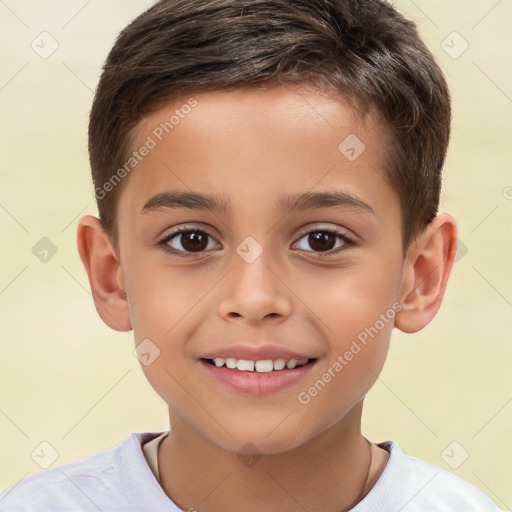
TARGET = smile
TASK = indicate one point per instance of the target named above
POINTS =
(261, 366)
(257, 377)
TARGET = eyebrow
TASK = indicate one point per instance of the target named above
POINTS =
(221, 204)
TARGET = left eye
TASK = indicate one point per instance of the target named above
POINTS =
(323, 240)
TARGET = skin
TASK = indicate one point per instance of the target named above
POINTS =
(253, 145)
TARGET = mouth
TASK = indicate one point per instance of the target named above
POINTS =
(257, 377)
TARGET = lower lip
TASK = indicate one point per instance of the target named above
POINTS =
(257, 383)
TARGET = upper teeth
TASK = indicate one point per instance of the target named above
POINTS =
(265, 365)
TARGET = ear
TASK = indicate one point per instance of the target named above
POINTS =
(105, 275)
(427, 266)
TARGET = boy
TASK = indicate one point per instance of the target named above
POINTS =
(230, 140)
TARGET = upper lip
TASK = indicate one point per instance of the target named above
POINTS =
(256, 353)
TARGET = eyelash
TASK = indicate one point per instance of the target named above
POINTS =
(347, 242)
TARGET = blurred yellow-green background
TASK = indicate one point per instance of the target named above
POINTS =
(68, 380)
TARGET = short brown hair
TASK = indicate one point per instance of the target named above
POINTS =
(364, 49)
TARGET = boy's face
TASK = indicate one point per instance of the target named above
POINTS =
(254, 149)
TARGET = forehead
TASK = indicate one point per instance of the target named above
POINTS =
(252, 145)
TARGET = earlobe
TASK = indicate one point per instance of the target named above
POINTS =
(104, 272)
(427, 266)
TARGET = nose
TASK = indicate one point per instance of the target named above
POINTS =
(254, 291)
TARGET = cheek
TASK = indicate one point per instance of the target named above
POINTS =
(356, 311)
(354, 299)
(356, 355)
(161, 298)
(167, 306)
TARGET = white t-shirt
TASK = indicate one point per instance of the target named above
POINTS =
(123, 480)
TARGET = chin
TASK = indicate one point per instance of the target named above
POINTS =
(257, 441)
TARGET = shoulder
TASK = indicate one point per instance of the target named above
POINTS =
(424, 486)
(82, 485)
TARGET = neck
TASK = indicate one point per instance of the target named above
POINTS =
(328, 472)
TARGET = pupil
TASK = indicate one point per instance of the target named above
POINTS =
(321, 241)
(194, 241)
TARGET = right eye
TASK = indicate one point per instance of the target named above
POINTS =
(186, 241)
